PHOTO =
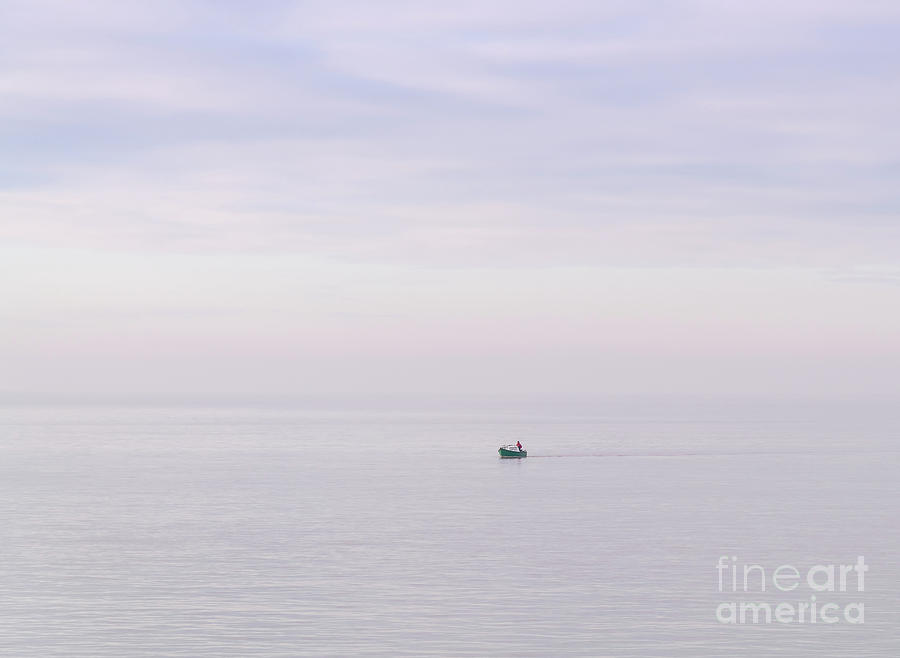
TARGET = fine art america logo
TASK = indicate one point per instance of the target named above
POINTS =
(813, 588)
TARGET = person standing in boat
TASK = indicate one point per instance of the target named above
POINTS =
(519, 445)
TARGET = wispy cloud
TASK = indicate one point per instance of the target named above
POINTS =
(476, 126)
(510, 195)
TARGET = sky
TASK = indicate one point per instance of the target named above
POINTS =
(467, 198)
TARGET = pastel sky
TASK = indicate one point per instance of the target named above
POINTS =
(507, 197)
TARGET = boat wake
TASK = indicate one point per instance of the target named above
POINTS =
(674, 454)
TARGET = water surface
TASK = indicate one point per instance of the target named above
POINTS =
(261, 531)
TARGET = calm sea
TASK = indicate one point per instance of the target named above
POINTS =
(153, 531)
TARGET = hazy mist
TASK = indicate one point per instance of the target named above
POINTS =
(505, 198)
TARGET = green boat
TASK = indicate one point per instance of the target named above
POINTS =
(512, 452)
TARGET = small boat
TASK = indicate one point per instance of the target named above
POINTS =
(512, 451)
